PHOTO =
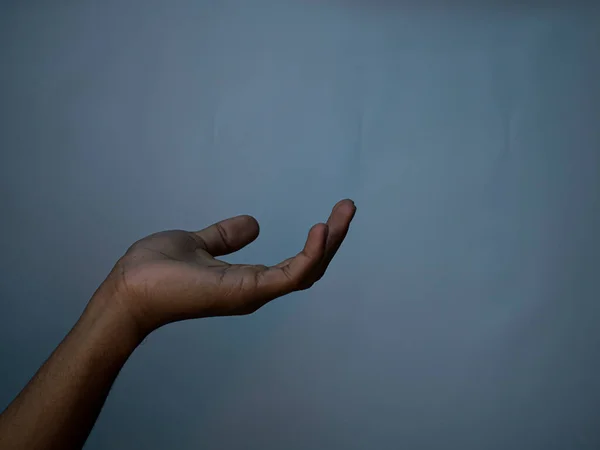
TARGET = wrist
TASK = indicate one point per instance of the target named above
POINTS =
(107, 320)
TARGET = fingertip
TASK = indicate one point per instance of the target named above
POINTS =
(315, 243)
(323, 230)
(250, 223)
(354, 208)
(346, 205)
(318, 227)
(249, 219)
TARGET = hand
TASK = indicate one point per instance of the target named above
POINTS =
(174, 275)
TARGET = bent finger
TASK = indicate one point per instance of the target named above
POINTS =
(290, 274)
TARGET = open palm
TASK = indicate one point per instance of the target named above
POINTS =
(175, 275)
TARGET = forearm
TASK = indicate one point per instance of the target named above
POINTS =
(165, 277)
(59, 406)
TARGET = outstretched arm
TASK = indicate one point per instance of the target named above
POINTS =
(163, 278)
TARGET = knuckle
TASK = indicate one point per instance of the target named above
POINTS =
(223, 235)
(292, 281)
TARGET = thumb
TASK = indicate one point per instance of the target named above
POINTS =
(229, 235)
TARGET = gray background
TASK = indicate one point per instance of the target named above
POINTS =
(463, 310)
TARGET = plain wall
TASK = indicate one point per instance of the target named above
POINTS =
(462, 312)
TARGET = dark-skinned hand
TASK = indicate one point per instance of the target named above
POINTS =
(175, 275)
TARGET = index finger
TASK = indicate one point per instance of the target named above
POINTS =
(290, 275)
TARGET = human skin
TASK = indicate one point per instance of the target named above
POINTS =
(163, 278)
